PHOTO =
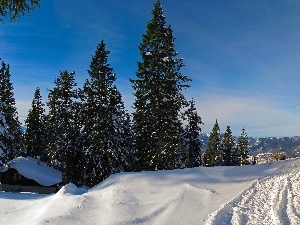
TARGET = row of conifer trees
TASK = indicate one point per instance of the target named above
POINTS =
(225, 149)
(88, 134)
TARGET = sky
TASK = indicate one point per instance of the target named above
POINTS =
(242, 56)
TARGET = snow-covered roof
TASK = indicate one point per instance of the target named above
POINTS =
(41, 173)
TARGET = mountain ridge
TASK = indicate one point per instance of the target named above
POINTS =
(289, 145)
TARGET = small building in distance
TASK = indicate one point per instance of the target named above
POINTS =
(26, 174)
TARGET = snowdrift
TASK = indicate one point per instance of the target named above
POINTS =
(188, 196)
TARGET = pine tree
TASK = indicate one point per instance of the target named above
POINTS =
(35, 137)
(106, 132)
(192, 132)
(212, 155)
(241, 152)
(3, 133)
(236, 156)
(63, 150)
(157, 126)
(16, 8)
(227, 147)
(11, 142)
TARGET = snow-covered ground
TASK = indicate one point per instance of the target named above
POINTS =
(260, 194)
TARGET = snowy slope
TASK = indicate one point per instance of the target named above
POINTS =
(272, 200)
(218, 195)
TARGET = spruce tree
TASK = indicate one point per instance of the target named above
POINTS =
(212, 155)
(227, 147)
(63, 150)
(11, 142)
(157, 126)
(106, 132)
(236, 156)
(35, 137)
(16, 8)
(192, 132)
(241, 152)
(3, 133)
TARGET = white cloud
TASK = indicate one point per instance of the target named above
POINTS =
(260, 115)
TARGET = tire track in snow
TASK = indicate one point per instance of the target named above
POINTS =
(283, 206)
(269, 201)
(293, 207)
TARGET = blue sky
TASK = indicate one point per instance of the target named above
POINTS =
(242, 56)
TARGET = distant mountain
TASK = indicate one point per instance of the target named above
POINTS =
(204, 139)
(289, 145)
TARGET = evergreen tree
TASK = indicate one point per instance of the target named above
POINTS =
(15, 8)
(241, 152)
(11, 142)
(3, 132)
(35, 137)
(106, 132)
(192, 132)
(157, 126)
(212, 155)
(63, 151)
(227, 147)
(236, 156)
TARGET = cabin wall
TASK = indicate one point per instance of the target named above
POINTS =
(7, 177)
(9, 184)
(20, 188)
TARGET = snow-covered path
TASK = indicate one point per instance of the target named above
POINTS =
(272, 200)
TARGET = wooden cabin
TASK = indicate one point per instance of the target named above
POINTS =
(29, 175)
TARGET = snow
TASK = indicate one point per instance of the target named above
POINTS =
(166, 59)
(272, 200)
(41, 173)
(258, 194)
(71, 189)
